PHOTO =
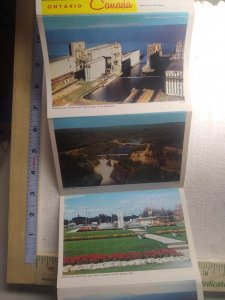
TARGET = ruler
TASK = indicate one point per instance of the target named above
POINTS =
(27, 49)
(213, 276)
(46, 270)
(45, 265)
(33, 151)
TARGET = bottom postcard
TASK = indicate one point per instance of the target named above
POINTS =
(185, 290)
(133, 238)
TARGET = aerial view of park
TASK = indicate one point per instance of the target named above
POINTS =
(147, 151)
(124, 232)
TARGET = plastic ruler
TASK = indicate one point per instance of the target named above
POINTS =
(33, 150)
(213, 276)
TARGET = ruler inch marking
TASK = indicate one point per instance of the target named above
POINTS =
(33, 151)
(213, 276)
(46, 269)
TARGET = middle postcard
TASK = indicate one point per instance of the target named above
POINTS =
(120, 152)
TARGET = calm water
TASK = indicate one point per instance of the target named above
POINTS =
(120, 89)
(105, 170)
(130, 38)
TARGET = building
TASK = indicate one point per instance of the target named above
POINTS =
(86, 63)
(179, 51)
(131, 58)
(154, 220)
(62, 71)
(102, 60)
(178, 213)
(174, 72)
(154, 51)
(94, 69)
(174, 78)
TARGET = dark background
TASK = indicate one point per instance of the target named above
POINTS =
(7, 32)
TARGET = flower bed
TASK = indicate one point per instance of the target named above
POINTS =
(87, 228)
(99, 258)
(98, 237)
(170, 231)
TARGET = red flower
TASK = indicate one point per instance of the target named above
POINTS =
(99, 258)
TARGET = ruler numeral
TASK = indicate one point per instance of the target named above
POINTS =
(33, 153)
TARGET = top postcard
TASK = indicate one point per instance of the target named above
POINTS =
(121, 61)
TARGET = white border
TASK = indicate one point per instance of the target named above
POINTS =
(114, 109)
(122, 187)
(127, 290)
(191, 244)
(131, 278)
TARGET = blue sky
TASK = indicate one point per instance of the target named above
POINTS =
(132, 202)
(161, 296)
(119, 120)
(103, 21)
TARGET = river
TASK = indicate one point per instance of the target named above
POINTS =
(105, 170)
(119, 89)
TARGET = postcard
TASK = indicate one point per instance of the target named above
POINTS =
(120, 152)
(122, 238)
(164, 291)
(108, 63)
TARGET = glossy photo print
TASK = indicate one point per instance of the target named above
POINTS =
(115, 59)
(177, 290)
(119, 150)
(189, 295)
(124, 232)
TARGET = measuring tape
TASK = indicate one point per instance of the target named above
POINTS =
(213, 276)
(34, 150)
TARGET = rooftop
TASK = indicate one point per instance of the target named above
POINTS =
(98, 47)
(59, 58)
(175, 65)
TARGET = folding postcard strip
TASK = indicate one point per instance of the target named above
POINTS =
(115, 61)
(131, 238)
(122, 152)
(161, 291)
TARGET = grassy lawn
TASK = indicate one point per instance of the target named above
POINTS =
(83, 88)
(182, 236)
(67, 232)
(109, 246)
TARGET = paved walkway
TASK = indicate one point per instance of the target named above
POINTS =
(138, 230)
(73, 230)
(179, 245)
(182, 246)
(164, 240)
